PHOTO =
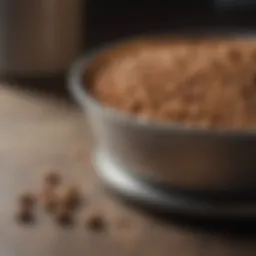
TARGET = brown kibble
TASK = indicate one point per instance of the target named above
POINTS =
(234, 55)
(253, 54)
(135, 106)
(27, 200)
(64, 217)
(95, 222)
(71, 197)
(254, 80)
(146, 81)
(50, 200)
(216, 65)
(51, 204)
(25, 215)
(52, 179)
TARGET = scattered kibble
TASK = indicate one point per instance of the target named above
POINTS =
(60, 202)
(71, 197)
(52, 179)
(25, 215)
(51, 202)
(27, 200)
(64, 217)
(95, 222)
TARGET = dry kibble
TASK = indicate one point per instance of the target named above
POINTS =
(234, 55)
(95, 222)
(27, 200)
(50, 200)
(59, 201)
(253, 55)
(51, 203)
(52, 179)
(64, 217)
(25, 215)
(71, 197)
(214, 76)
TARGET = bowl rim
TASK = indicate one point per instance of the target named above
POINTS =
(77, 88)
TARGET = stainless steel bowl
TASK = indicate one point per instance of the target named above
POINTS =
(167, 154)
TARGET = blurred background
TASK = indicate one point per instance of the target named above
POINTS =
(44, 37)
(113, 19)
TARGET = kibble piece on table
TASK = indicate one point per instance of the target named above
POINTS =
(25, 215)
(95, 222)
(64, 217)
(50, 199)
(71, 197)
(52, 179)
(27, 200)
(51, 203)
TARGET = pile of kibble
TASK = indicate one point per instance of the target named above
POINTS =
(201, 83)
(59, 201)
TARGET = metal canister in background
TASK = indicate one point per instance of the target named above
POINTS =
(39, 38)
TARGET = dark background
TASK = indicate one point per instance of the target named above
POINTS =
(108, 20)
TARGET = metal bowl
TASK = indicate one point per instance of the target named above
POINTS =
(169, 155)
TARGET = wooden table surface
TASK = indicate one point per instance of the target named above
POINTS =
(40, 133)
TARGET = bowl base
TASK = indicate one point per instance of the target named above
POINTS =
(141, 192)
